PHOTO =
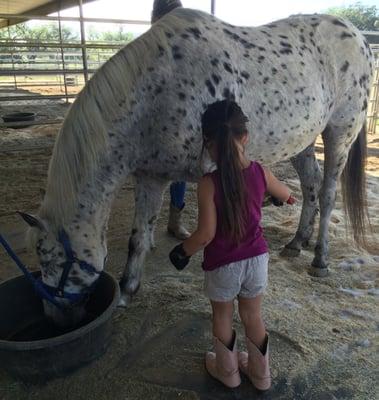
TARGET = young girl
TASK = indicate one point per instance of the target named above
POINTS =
(235, 251)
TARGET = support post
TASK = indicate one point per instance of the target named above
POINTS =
(83, 42)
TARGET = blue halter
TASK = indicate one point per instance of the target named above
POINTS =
(48, 292)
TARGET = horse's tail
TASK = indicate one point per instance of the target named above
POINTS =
(354, 188)
(163, 7)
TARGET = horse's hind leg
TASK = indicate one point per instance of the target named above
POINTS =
(309, 173)
(148, 201)
(337, 143)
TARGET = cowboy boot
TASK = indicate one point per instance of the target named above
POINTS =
(255, 365)
(174, 226)
(223, 364)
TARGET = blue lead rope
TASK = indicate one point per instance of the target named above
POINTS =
(37, 284)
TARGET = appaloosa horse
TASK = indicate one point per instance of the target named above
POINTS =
(140, 115)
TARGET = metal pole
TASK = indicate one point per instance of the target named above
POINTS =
(14, 76)
(213, 7)
(62, 55)
(83, 42)
(73, 19)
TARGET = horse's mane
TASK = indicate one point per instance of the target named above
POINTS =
(83, 139)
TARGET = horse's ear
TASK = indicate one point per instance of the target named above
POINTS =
(32, 221)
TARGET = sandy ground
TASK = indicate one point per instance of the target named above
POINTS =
(323, 331)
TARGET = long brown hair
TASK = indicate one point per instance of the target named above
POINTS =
(223, 123)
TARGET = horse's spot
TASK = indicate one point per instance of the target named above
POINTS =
(181, 96)
(210, 87)
(345, 66)
(261, 58)
(216, 79)
(184, 35)
(158, 90)
(155, 154)
(321, 62)
(190, 127)
(339, 23)
(176, 134)
(164, 129)
(227, 55)
(228, 67)
(302, 38)
(195, 32)
(274, 71)
(315, 24)
(260, 48)
(285, 44)
(228, 94)
(169, 35)
(266, 79)
(345, 35)
(131, 247)
(245, 75)
(271, 133)
(175, 53)
(285, 51)
(284, 66)
(364, 107)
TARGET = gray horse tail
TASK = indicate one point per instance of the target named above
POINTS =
(163, 7)
(354, 188)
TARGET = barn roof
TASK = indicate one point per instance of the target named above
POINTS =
(32, 7)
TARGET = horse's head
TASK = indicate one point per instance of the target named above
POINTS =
(70, 264)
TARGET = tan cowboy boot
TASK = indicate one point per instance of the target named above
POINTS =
(255, 365)
(223, 364)
(175, 227)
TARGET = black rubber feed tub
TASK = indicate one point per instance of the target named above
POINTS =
(19, 117)
(33, 349)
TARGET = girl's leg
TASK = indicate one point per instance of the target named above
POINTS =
(250, 312)
(222, 321)
(254, 363)
(222, 364)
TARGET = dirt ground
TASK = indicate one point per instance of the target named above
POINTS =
(323, 330)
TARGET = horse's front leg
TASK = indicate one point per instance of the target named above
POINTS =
(148, 201)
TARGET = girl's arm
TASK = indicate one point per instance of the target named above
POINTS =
(207, 218)
(276, 188)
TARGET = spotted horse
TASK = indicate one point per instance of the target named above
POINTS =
(140, 115)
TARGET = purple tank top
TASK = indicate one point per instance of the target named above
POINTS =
(222, 250)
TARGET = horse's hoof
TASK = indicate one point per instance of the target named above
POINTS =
(318, 272)
(125, 300)
(290, 252)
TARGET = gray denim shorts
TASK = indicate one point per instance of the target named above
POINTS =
(245, 278)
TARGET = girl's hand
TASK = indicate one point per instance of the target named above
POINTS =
(291, 200)
(277, 203)
(178, 257)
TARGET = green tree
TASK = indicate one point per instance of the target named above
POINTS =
(119, 35)
(45, 32)
(365, 18)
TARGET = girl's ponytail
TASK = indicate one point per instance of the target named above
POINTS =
(223, 124)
